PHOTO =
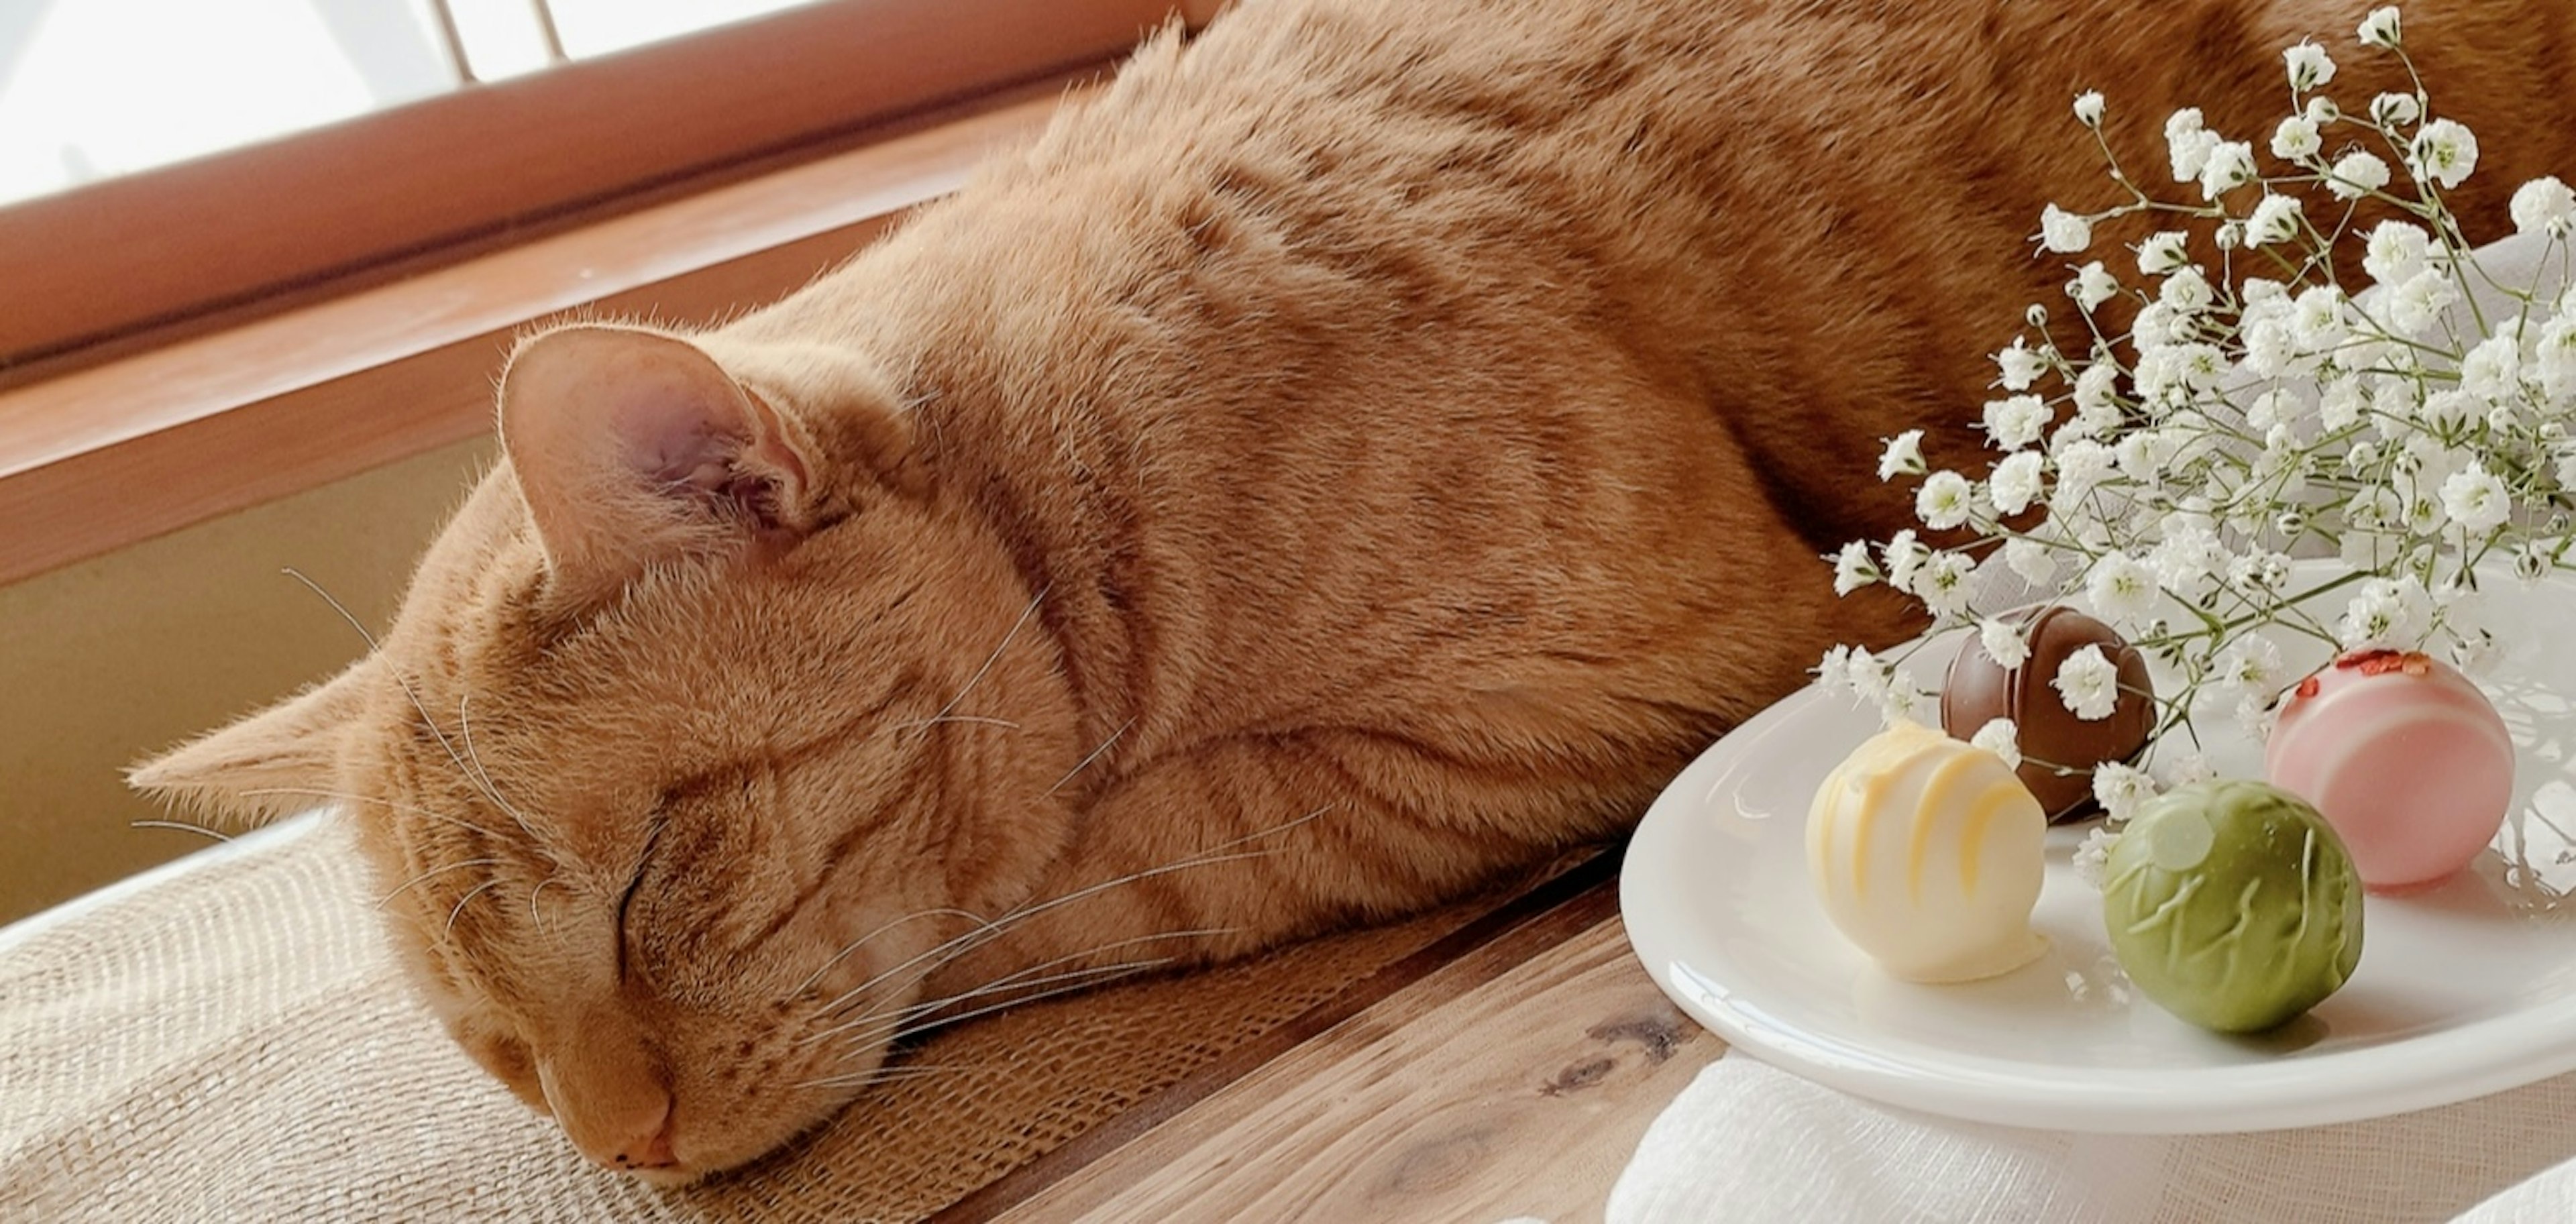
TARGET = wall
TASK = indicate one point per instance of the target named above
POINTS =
(117, 657)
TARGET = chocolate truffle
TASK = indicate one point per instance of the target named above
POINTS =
(2058, 749)
(2232, 904)
(2407, 759)
(1929, 854)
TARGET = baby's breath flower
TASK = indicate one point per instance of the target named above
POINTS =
(2162, 253)
(2083, 464)
(2356, 174)
(1943, 584)
(2183, 767)
(2016, 421)
(1903, 457)
(2230, 165)
(2120, 789)
(2395, 252)
(1853, 568)
(2309, 66)
(2276, 219)
(2493, 369)
(2018, 366)
(2544, 205)
(1945, 500)
(2250, 666)
(2088, 108)
(2063, 231)
(2320, 318)
(2444, 151)
(2003, 643)
(2553, 359)
(2122, 588)
(2092, 286)
(1833, 672)
(2088, 684)
(1865, 676)
(2379, 29)
(2321, 110)
(2395, 110)
(2186, 291)
(2418, 303)
(2001, 738)
(2188, 144)
(2016, 482)
(1903, 702)
(2094, 855)
(2476, 500)
(2296, 139)
(2375, 618)
(2030, 560)
(1901, 556)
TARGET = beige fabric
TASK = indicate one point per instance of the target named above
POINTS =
(232, 1041)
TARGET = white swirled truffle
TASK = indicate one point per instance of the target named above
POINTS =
(1928, 853)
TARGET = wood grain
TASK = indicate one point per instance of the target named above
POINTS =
(104, 457)
(1523, 1094)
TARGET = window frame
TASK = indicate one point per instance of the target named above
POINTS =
(155, 249)
(327, 363)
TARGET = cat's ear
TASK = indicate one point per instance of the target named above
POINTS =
(283, 759)
(631, 447)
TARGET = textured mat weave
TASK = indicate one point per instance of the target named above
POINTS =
(233, 1041)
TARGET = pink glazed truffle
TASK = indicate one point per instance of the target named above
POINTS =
(2405, 758)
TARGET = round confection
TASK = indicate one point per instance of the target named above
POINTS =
(2232, 904)
(1928, 854)
(2059, 750)
(2406, 758)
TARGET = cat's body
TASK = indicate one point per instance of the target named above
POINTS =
(1361, 453)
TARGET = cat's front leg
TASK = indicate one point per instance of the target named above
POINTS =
(1248, 842)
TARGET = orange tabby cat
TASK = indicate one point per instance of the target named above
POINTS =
(1363, 452)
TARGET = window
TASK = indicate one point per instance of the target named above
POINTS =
(185, 340)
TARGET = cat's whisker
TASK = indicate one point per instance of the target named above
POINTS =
(184, 826)
(867, 1031)
(970, 941)
(406, 809)
(944, 1021)
(1006, 982)
(447, 932)
(996, 656)
(1010, 979)
(1085, 763)
(533, 919)
(434, 871)
(483, 776)
(861, 941)
(954, 718)
(416, 703)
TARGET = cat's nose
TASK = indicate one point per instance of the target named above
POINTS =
(648, 1148)
(611, 1099)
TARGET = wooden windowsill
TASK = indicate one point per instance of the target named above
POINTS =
(107, 456)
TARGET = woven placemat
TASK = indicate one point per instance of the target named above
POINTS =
(234, 1041)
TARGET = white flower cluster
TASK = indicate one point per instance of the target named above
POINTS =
(2255, 410)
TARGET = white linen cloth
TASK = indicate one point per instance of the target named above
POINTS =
(1747, 1143)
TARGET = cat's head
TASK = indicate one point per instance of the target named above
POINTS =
(703, 726)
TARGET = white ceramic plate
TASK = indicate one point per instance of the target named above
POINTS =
(2464, 990)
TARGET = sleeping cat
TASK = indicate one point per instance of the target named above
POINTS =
(1364, 451)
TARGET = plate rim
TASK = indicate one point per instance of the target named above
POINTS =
(2474, 1059)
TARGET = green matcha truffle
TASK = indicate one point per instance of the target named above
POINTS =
(2233, 905)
